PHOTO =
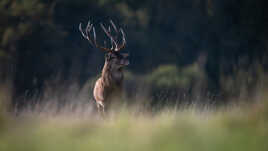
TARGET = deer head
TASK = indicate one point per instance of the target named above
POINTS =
(113, 57)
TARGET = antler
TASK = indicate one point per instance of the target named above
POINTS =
(113, 39)
(114, 42)
(86, 35)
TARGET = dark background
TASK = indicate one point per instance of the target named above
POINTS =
(180, 49)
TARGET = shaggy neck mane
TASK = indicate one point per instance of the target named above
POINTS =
(111, 76)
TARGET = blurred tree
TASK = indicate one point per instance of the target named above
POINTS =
(40, 39)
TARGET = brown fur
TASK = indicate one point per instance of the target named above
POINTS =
(108, 88)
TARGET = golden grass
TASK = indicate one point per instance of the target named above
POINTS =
(187, 129)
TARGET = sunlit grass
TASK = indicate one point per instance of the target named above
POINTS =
(188, 129)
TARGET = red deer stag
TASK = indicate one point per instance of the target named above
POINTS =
(108, 87)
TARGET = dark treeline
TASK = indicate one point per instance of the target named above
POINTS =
(213, 41)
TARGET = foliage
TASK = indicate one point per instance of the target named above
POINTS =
(40, 39)
(244, 83)
(169, 76)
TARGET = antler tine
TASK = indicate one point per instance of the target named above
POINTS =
(95, 41)
(114, 43)
(123, 34)
(94, 34)
(88, 26)
(81, 30)
(123, 40)
(115, 29)
(88, 30)
(109, 35)
(114, 26)
(86, 33)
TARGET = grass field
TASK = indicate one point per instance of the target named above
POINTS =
(190, 129)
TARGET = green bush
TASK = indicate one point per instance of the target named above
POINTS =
(171, 76)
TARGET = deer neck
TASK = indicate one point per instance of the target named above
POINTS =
(112, 77)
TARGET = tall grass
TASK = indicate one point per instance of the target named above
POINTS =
(76, 127)
(64, 119)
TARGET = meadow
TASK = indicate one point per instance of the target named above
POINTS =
(77, 127)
